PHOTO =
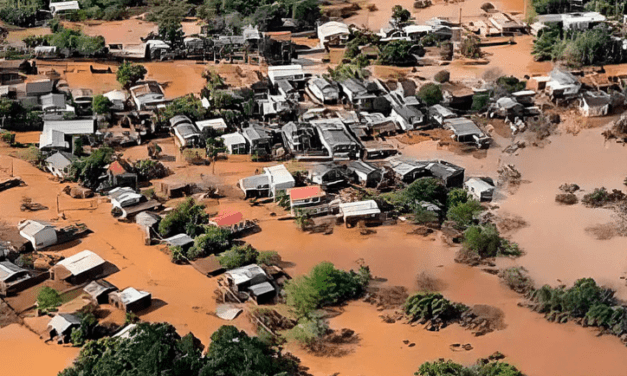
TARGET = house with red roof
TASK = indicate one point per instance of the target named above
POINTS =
(311, 200)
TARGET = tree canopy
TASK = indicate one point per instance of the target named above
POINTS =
(430, 94)
(188, 217)
(101, 105)
(129, 74)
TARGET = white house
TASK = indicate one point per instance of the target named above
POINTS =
(63, 7)
(594, 104)
(218, 125)
(59, 163)
(407, 117)
(186, 134)
(333, 33)
(285, 72)
(235, 143)
(359, 209)
(280, 179)
(39, 234)
(124, 196)
(479, 189)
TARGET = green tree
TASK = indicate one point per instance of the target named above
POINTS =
(101, 105)
(48, 299)
(171, 31)
(188, 105)
(88, 170)
(400, 15)
(456, 196)
(268, 258)
(470, 47)
(426, 305)
(214, 240)
(238, 256)
(397, 52)
(430, 94)
(464, 213)
(480, 102)
(428, 190)
(486, 242)
(188, 217)
(129, 74)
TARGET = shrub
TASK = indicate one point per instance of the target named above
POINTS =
(429, 190)
(268, 258)
(517, 279)
(238, 256)
(430, 94)
(480, 102)
(88, 170)
(470, 47)
(486, 242)
(511, 84)
(48, 299)
(442, 76)
(456, 196)
(484, 367)
(426, 306)
(324, 285)
(310, 329)
(214, 240)
(598, 198)
(464, 213)
(101, 105)
(177, 255)
(188, 217)
(566, 198)
(424, 216)
(397, 52)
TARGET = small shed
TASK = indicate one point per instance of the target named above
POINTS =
(365, 173)
(219, 125)
(240, 279)
(407, 117)
(79, 268)
(130, 299)
(124, 196)
(12, 278)
(479, 189)
(594, 104)
(173, 189)
(39, 234)
(327, 175)
(262, 293)
(61, 325)
(180, 240)
(99, 291)
(59, 163)
(353, 212)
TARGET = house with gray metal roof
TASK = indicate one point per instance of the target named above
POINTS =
(130, 299)
(99, 291)
(79, 268)
(39, 234)
(59, 163)
(61, 325)
(466, 131)
(12, 278)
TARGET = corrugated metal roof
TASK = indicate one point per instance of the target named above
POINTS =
(71, 127)
(8, 270)
(82, 262)
(359, 208)
(279, 174)
(31, 227)
(247, 273)
(97, 288)
(131, 295)
(62, 322)
(261, 289)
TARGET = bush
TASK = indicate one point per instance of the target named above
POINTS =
(484, 367)
(429, 190)
(397, 52)
(511, 84)
(177, 255)
(88, 170)
(430, 94)
(324, 285)
(268, 258)
(598, 198)
(464, 213)
(424, 216)
(486, 242)
(442, 76)
(566, 198)
(470, 47)
(310, 329)
(456, 196)
(186, 218)
(214, 240)
(238, 256)
(48, 299)
(101, 105)
(426, 306)
(480, 102)
(516, 278)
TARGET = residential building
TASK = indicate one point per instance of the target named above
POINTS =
(61, 7)
(333, 34)
(407, 170)
(235, 143)
(594, 104)
(562, 84)
(12, 278)
(353, 212)
(130, 299)
(79, 268)
(280, 179)
(407, 117)
(327, 175)
(365, 173)
(258, 139)
(61, 326)
(323, 90)
(466, 131)
(440, 113)
(480, 189)
(218, 125)
(300, 137)
(99, 291)
(308, 200)
(148, 96)
(338, 142)
(59, 163)
(186, 135)
(39, 234)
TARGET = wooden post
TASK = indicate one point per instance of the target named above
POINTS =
(460, 16)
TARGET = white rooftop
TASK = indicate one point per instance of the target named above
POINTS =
(81, 262)
(246, 273)
(279, 174)
(131, 295)
(359, 208)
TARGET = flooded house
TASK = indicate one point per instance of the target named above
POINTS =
(79, 268)
(61, 326)
(12, 278)
(291, 73)
(148, 96)
(507, 107)
(524, 97)
(356, 92)
(99, 290)
(118, 99)
(235, 143)
(440, 113)
(120, 174)
(335, 138)
(407, 117)
(62, 7)
(39, 234)
(594, 104)
(365, 173)
(59, 163)
(449, 174)
(255, 186)
(333, 34)
(407, 171)
(130, 299)
(327, 175)
(54, 106)
(300, 137)
(250, 280)
(480, 189)
(323, 91)
(124, 196)
(467, 132)
(280, 179)
(308, 200)
(259, 140)
(353, 212)
(82, 98)
(376, 124)
(562, 84)
(180, 240)
(378, 149)
(217, 125)
(57, 134)
(186, 135)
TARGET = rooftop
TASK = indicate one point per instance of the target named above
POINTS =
(227, 218)
(247, 274)
(303, 193)
(8, 270)
(81, 262)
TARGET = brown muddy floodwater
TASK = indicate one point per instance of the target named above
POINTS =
(556, 243)
(185, 298)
